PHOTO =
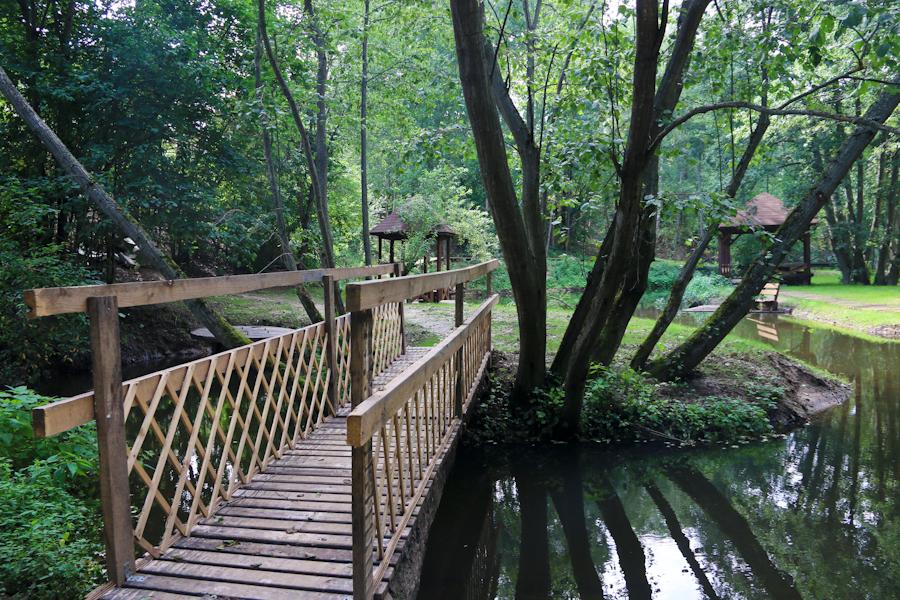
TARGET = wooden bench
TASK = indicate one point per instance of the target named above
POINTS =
(767, 299)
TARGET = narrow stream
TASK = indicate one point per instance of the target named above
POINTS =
(811, 515)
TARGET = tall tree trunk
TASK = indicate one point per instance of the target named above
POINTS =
(224, 333)
(287, 254)
(687, 356)
(320, 201)
(516, 226)
(889, 235)
(647, 101)
(363, 139)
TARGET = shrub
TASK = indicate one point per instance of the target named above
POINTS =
(49, 539)
(623, 406)
(662, 275)
(70, 457)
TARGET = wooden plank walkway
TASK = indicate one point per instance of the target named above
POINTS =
(285, 535)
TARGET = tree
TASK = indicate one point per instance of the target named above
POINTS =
(227, 335)
(688, 355)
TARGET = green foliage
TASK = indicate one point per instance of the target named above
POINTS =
(623, 406)
(662, 275)
(442, 200)
(70, 458)
(568, 272)
(50, 541)
(29, 347)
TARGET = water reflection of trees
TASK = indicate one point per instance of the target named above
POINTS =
(812, 515)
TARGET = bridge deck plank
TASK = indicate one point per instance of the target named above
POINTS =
(285, 535)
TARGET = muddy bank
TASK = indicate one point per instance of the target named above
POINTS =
(806, 393)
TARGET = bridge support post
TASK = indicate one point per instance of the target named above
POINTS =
(363, 475)
(460, 363)
(106, 356)
(331, 341)
(398, 272)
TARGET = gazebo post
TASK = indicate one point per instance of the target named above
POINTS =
(807, 259)
(379, 248)
(392, 251)
(725, 255)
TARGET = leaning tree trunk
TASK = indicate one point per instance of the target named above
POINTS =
(686, 357)
(687, 271)
(638, 153)
(224, 333)
(287, 254)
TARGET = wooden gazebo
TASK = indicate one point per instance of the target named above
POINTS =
(768, 212)
(393, 229)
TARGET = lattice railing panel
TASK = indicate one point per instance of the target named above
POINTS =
(387, 335)
(407, 448)
(342, 331)
(205, 428)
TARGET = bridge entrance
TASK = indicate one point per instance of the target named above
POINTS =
(294, 467)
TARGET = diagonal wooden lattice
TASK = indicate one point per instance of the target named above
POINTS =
(410, 443)
(205, 428)
(387, 335)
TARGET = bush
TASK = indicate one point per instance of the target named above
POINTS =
(705, 288)
(71, 457)
(623, 406)
(50, 541)
(30, 347)
(568, 272)
(662, 275)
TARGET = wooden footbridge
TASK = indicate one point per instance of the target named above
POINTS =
(304, 466)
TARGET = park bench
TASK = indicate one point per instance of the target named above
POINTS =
(768, 297)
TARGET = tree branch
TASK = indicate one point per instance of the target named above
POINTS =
(769, 111)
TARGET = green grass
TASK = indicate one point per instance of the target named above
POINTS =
(828, 283)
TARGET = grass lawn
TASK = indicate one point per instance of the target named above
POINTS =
(828, 283)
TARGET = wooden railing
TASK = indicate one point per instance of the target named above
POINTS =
(399, 434)
(201, 430)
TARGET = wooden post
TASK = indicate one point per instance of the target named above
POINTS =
(488, 285)
(458, 399)
(807, 259)
(331, 341)
(106, 356)
(363, 521)
(379, 249)
(392, 251)
(362, 475)
(398, 272)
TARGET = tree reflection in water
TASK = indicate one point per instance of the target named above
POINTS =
(812, 515)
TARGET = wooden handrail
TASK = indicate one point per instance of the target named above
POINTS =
(368, 417)
(61, 300)
(369, 294)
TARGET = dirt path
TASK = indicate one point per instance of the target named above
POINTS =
(840, 302)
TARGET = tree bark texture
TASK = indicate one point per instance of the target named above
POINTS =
(686, 357)
(224, 333)
(687, 271)
(515, 226)
(647, 100)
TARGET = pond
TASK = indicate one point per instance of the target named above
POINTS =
(811, 515)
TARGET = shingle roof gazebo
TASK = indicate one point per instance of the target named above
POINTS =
(768, 212)
(392, 228)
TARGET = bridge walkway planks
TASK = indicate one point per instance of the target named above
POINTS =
(286, 535)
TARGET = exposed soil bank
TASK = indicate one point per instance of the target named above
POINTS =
(807, 393)
(887, 332)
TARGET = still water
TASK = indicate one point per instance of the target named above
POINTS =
(812, 515)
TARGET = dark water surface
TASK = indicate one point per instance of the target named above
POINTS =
(812, 515)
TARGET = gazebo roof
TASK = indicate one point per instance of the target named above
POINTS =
(393, 228)
(765, 211)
